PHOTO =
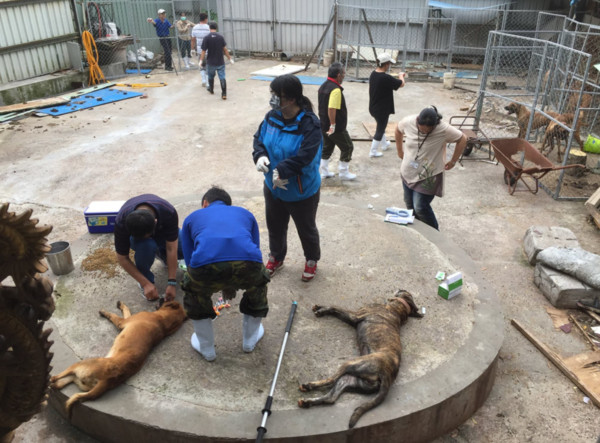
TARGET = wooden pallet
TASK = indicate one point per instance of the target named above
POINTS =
(593, 206)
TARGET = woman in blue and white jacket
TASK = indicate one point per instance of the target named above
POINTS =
(287, 149)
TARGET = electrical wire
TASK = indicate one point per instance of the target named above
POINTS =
(91, 51)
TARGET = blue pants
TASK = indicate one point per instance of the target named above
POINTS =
(220, 70)
(146, 250)
(421, 204)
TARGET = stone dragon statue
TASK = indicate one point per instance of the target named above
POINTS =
(24, 346)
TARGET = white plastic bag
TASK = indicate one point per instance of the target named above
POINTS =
(149, 55)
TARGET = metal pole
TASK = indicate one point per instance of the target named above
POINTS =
(335, 19)
(262, 429)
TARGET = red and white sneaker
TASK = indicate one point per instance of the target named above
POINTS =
(310, 269)
(273, 265)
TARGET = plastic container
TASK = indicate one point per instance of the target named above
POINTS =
(100, 216)
(449, 80)
(59, 258)
(592, 144)
(327, 58)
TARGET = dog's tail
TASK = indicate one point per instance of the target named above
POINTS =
(384, 387)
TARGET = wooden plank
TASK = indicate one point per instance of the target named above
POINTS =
(583, 332)
(34, 104)
(559, 363)
(51, 101)
(593, 206)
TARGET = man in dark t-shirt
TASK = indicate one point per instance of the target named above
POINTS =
(215, 44)
(381, 100)
(149, 225)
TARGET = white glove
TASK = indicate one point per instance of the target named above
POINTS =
(149, 20)
(331, 129)
(262, 164)
(279, 182)
(231, 60)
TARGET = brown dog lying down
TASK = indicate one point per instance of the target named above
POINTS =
(378, 329)
(523, 114)
(139, 334)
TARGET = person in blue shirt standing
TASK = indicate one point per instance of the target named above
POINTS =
(163, 28)
(221, 248)
(287, 149)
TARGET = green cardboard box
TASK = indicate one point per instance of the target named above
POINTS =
(451, 287)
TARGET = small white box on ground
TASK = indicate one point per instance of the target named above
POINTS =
(451, 287)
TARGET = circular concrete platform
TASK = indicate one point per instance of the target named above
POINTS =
(448, 363)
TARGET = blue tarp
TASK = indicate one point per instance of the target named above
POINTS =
(135, 71)
(96, 98)
(304, 79)
(459, 74)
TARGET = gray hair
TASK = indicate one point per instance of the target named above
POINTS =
(335, 69)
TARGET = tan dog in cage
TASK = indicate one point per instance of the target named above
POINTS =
(523, 115)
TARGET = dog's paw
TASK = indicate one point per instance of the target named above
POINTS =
(304, 388)
(303, 403)
(119, 304)
(318, 310)
(103, 313)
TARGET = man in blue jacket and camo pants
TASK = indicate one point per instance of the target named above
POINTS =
(221, 248)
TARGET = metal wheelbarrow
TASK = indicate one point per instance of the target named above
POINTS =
(506, 148)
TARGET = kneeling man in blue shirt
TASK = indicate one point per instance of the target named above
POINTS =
(221, 248)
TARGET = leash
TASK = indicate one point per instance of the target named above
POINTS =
(262, 430)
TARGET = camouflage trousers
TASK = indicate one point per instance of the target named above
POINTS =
(199, 284)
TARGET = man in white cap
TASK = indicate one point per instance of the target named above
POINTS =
(163, 28)
(381, 100)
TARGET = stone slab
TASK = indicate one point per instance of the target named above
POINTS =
(562, 290)
(538, 238)
(577, 262)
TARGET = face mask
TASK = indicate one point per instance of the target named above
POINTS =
(183, 18)
(275, 103)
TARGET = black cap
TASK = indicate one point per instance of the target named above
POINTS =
(428, 117)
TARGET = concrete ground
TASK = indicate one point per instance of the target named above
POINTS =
(180, 140)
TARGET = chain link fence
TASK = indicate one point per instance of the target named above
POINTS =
(425, 41)
(128, 43)
(548, 87)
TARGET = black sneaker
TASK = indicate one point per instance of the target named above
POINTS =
(168, 69)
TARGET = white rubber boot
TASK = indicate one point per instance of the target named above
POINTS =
(374, 152)
(384, 144)
(324, 169)
(187, 62)
(191, 61)
(203, 338)
(253, 331)
(345, 174)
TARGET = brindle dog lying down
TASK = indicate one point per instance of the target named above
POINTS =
(378, 329)
(139, 334)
